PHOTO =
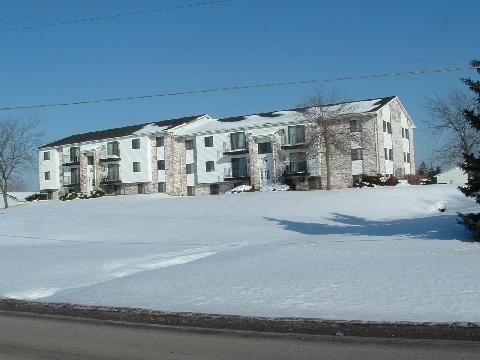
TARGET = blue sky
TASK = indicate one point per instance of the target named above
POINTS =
(235, 43)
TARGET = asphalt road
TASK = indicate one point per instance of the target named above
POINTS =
(25, 336)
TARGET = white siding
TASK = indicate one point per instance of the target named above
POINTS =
(51, 165)
(129, 156)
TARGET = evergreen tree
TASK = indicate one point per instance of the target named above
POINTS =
(423, 169)
(471, 162)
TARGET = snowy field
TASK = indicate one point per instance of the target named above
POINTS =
(363, 254)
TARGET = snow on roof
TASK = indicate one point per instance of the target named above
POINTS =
(277, 117)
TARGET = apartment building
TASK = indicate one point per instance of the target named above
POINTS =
(203, 155)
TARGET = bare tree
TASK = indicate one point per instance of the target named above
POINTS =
(447, 121)
(18, 140)
(328, 133)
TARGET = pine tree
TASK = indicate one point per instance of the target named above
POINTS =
(423, 169)
(471, 162)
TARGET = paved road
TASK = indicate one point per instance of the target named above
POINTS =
(24, 336)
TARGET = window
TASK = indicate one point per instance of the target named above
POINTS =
(136, 166)
(296, 134)
(113, 172)
(74, 154)
(357, 154)
(47, 175)
(190, 190)
(46, 155)
(160, 141)
(161, 164)
(238, 141)
(265, 148)
(161, 187)
(406, 157)
(355, 126)
(135, 143)
(90, 160)
(298, 163)
(141, 188)
(388, 154)
(112, 148)
(208, 141)
(189, 144)
(239, 167)
(190, 168)
(405, 133)
(74, 176)
(210, 166)
(387, 127)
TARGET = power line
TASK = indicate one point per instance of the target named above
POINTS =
(115, 16)
(243, 87)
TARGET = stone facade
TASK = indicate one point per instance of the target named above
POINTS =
(278, 157)
(223, 187)
(175, 165)
(371, 147)
(253, 166)
(83, 173)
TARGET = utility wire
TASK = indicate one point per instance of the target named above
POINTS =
(244, 87)
(115, 16)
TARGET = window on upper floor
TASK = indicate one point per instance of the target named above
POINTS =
(160, 141)
(238, 141)
(388, 154)
(265, 148)
(355, 126)
(210, 166)
(47, 175)
(296, 134)
(161, 164)
(387, 127)
(46, 155)
(136, 166)
(90, 160)
(208, 141)
(406, 157)
(136, 144)
(189, 144)
(357, 154)
(405, 133)
(113, 149)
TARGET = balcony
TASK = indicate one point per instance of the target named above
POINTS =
(108, 179)
(109, 156)
(232, 174)
(71, 160)
(295, 169)
(293, 142)
(71, 181)
(237, 149)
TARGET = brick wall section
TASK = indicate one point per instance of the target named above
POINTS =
(175, 171)
(98, 168)
(277, 157)
(395, 111)
(60, 171)
(253, 166)
(369, 141)
(225, 186)
(340, 164)
(83, 173)
(152, 187)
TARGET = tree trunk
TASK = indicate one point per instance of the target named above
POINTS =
(327, 166)
(5, 198)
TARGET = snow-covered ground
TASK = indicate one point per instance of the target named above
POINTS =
(365, 254)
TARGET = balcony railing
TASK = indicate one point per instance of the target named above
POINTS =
(296, 169)
(71, 181)
(105, 155)
(71, 160)
(288, 142)
(229, 173)
(111, 179)
(238, 149)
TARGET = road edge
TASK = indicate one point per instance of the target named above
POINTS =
(309, 326)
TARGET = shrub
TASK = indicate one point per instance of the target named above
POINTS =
(472, 223)
(414, 179)
(370, 181)
(391, 181)
(69, 196)
(34, 197)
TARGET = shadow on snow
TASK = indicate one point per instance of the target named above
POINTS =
(439, 227)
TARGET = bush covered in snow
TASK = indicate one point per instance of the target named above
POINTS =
(35, 197)
(241, 188)
(391, 181)
(74, 195)
(275, 187)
